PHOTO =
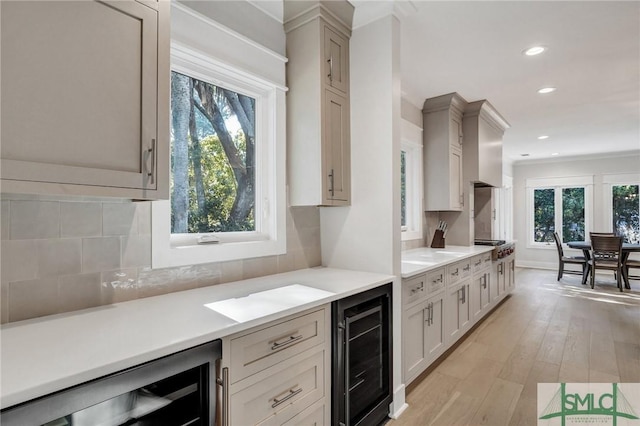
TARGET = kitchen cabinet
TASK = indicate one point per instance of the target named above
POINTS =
(511, 273)
(85, 98)
(483, 128)
(458, 311)
(423, 335)
(279, 371)
(443, 153)
(480, 297)
(318, 118)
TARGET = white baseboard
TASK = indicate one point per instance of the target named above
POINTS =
(398, 405)
(536, 265)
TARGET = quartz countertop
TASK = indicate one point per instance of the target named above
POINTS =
(47, 354)
(424, 259)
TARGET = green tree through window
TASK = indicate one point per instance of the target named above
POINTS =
(626, 208)
(212, 158)
(573, 214)
(544, 215)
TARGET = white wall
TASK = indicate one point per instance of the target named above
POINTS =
(596, 167)
(366, 235)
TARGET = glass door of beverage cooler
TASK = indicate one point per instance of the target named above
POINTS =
(175, 390)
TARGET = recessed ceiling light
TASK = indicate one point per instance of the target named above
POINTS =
(546, 90)
(555, 153)
(543, 137)
(524, 155)
(535, 50)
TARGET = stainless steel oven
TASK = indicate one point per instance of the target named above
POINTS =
(178, 389)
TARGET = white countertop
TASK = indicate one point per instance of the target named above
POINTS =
(424, 259)
(47, 354)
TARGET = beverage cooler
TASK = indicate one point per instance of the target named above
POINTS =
(178, 389)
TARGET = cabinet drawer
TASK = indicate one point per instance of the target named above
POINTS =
(481, 262)
(281, 395)
(312, 416)
(435, 280)
(459, 270)
(414, 289)
(268, 346)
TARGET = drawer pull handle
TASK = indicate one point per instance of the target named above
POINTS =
(466, 268)
(478, 263)
(290, 340)
(455, 273)
(290, 395)
(417, 289)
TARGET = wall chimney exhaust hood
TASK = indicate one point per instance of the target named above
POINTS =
(483, 128)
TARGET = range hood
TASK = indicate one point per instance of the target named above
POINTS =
(483, 128)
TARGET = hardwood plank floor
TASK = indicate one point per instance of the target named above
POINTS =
(546, 332)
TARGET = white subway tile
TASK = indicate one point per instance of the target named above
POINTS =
(79, 292)
(31, 299)
(119, 285)
(4, 219)
(119, 219)
(100, 254)
(136, 251)
(80, 219)
(19, 260)
(59, 257)
(34, 219)
(143, 212)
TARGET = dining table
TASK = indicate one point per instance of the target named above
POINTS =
(627, 249)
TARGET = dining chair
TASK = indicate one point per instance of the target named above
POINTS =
(603, 234)
(631, 263)
(606, 254)
(572, 260)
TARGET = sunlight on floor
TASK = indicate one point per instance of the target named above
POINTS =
(606, 293)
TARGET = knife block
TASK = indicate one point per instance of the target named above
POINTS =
(438, 239)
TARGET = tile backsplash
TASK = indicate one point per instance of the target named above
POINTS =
(65, 255)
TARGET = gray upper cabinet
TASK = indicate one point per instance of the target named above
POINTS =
(318, 119)
(483, 129)
(443, 153)
(85, 98)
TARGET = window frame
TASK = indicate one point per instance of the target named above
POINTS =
(269, 238)
(411, 144)
(558, 184)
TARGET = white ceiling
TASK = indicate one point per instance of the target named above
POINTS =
(593, 58)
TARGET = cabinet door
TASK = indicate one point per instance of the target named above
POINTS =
(336, 150)
(455, 131)
(79, 93)
(336, 54)
(434, 336)
(458, 312)
(499, 278)
(511, 274)
(455, 178)
(480, 298)
(414, 353)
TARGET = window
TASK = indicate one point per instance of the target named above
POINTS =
(227, 154)
(411, 181)
(626, 208)
(212, 158)
(561, 205)
(623, 205)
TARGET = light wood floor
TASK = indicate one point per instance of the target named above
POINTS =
(546, 332)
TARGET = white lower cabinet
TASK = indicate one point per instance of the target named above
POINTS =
(441, 305)
(279, 372)
(458, 311)
(480, 294)
(423, 335)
